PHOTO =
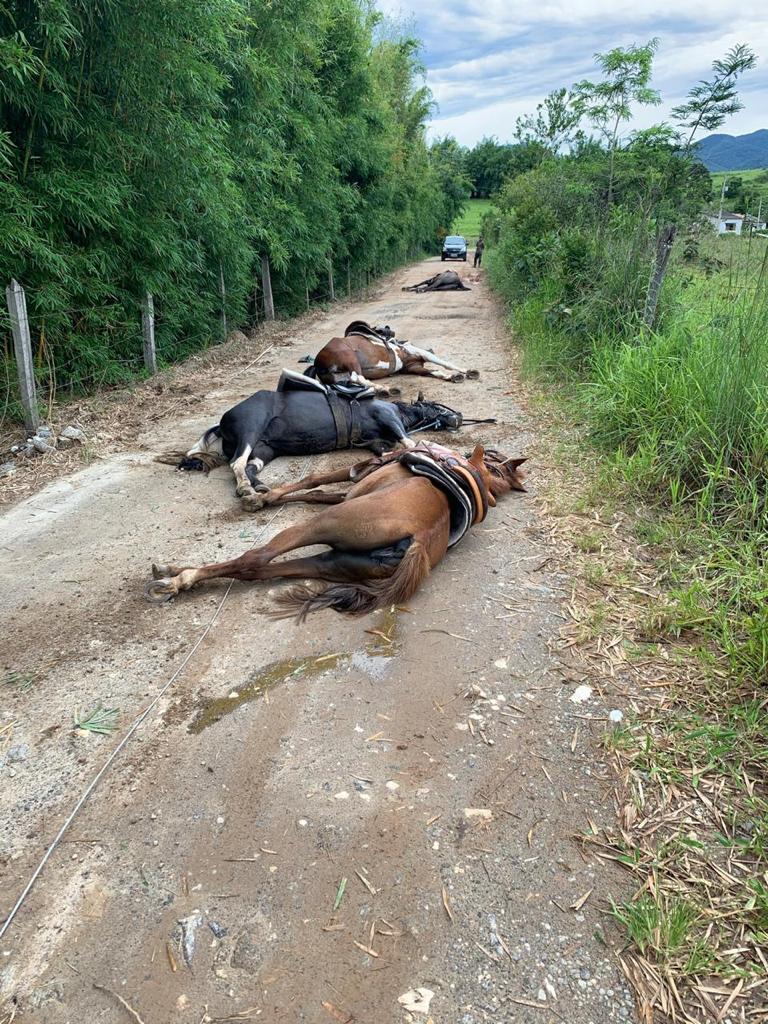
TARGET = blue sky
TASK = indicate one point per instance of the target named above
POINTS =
(490, 61)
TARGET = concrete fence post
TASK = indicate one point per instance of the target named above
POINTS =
(331, 289)
(22, 344)
(266, 283)
(148, 332)
(223, 297)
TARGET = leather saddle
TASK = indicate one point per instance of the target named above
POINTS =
(383, 335)
(459, 481)
(343, 401)
(374, 333)
(453, 474)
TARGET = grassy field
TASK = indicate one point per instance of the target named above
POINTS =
(755, 185)
(468, 224)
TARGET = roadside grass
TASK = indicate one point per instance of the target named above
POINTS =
(657, 499)
(99, 720)
(470, 220)
(690, 757)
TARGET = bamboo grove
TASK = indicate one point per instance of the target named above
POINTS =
(165, 146)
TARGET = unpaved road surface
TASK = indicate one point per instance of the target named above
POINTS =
(286, 759)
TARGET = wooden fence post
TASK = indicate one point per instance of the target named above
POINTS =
(22, 345)
(266, 283)
(306, 291)
(663, 251)
(331, 290)
(349, 281)
(223, 294)
(148, 331)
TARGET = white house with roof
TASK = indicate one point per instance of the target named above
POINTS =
(727, 223)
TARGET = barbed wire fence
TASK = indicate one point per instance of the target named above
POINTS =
(34, 374)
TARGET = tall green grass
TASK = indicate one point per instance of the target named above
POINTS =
(681, 414)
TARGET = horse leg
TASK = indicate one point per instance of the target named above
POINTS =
(338, 566)
(367, 523)
(244, 567)
(279, 495)
(430, 357)
(420, 370)
(392, 427)
(247, 462)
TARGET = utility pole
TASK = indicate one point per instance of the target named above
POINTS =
(722, 200)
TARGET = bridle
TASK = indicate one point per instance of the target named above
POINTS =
(439, 424)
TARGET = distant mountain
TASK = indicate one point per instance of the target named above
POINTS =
(734, 152)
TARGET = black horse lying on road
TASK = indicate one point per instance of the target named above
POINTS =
(309, 420)
(447, 281)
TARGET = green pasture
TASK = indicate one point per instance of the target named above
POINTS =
(750, 185)
(468, 223)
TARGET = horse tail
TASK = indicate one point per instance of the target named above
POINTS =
(360, 598)
(206, 455)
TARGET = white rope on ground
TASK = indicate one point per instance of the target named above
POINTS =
(131, 731)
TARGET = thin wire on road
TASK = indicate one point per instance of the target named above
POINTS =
(141, 717)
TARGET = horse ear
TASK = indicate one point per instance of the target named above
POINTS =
(476, 458)
(420, 397)
(515, 463)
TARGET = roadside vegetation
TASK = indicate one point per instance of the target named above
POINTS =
(745, 191)
(654, 332)
(168, 148)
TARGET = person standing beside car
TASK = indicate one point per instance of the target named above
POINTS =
(479, 249)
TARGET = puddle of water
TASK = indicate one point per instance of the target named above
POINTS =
(384, 636)
(383, 642)
(213, 710)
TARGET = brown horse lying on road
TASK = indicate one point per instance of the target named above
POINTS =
(394, 524)
(446, 281)
(368, 353)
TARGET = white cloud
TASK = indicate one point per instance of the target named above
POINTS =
(490, 61)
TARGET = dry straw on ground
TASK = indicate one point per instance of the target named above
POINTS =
(687, 816)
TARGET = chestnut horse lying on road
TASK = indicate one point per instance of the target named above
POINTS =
(394, 524)
(368, 353)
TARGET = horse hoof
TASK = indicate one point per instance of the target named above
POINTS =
(473, 375)
(160, 572)
(253, 502)
(457, 378)
(159, 591)
(395, 392)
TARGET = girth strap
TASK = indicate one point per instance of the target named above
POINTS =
(346, 419)
(342, 419)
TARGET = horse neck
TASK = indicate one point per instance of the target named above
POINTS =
(409, 414)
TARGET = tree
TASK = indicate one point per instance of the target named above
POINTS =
(490, 162)
(154, 146)
(555, 123)
(711, 101)
(448, 160)
(608, 104)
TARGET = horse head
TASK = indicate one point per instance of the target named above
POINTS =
(503, 472)
(433, 415)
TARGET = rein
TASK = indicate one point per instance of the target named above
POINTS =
(437, 423)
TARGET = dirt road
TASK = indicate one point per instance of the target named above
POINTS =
(337, 813)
